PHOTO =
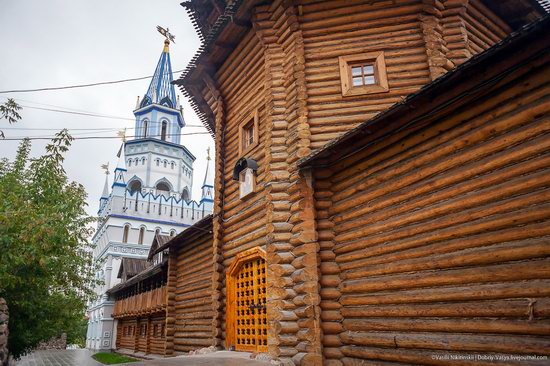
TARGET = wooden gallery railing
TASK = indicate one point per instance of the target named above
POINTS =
(144, 303)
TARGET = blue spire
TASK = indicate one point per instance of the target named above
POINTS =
(161, 91)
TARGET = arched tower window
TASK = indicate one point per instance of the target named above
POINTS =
(157, 231)
(163, 130)
(163, 188)
(185, 194)
(135, 186)
(125, 233)
(145, 125)
(141, 235)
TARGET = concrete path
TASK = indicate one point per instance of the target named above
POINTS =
(222, 358)
(70, 357)
(83, 357)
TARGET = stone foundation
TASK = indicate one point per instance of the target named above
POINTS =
(54, 343)
(4, 317)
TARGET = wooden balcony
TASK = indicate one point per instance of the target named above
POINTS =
(148, 302)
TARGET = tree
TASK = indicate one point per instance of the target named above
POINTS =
(46, 268)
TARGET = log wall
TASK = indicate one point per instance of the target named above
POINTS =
(156, 334)
(241, 82)
(470, 28)
(436, 242)
(329, 31)
(287, 68)
(125, 337)
(193, 310)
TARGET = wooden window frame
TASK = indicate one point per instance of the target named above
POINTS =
(252, 117)
(240, 259)
(377, 60)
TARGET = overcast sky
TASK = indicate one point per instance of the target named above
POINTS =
(66, 42)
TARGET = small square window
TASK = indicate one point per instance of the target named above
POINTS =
(248, 133)
(363, 74)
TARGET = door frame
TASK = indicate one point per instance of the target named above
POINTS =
(240, 259)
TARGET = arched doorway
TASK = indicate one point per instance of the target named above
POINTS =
(246, 302)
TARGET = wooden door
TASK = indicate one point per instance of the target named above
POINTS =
(247, 317)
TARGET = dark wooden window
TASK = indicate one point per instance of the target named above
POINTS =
(248, 133)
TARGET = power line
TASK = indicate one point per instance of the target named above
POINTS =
(97, 137)
(48, 105)
(78, 113)
(92, 114)
(81, 85)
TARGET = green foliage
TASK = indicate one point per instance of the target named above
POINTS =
(46, 271)
(9, 111)
(108, 358)
(77, 333)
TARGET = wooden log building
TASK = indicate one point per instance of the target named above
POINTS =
(382, 183)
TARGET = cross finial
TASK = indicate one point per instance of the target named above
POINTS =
(122, 135)
(106, 168)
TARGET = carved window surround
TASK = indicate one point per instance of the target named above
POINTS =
(363, 73)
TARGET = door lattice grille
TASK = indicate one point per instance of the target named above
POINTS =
(251, 312)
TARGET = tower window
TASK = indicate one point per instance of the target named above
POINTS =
(141, 235)
(129, 162)
(125, 233)
(145, 126)
(248, 133)
(172, 232)
(172, 165)
(157, 231)
(142, 161)
(163, 188)
(158, 162)
(165, 163)
(163, 130)
(135, 186)
(363, 74)
(185, 194)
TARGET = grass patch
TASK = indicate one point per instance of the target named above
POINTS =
(108, 358)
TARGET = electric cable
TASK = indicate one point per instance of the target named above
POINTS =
(83, 85)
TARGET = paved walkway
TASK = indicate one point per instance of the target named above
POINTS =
(70, 357)
(82, 357)
(222, 358)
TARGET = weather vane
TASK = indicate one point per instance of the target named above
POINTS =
(166, 33)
